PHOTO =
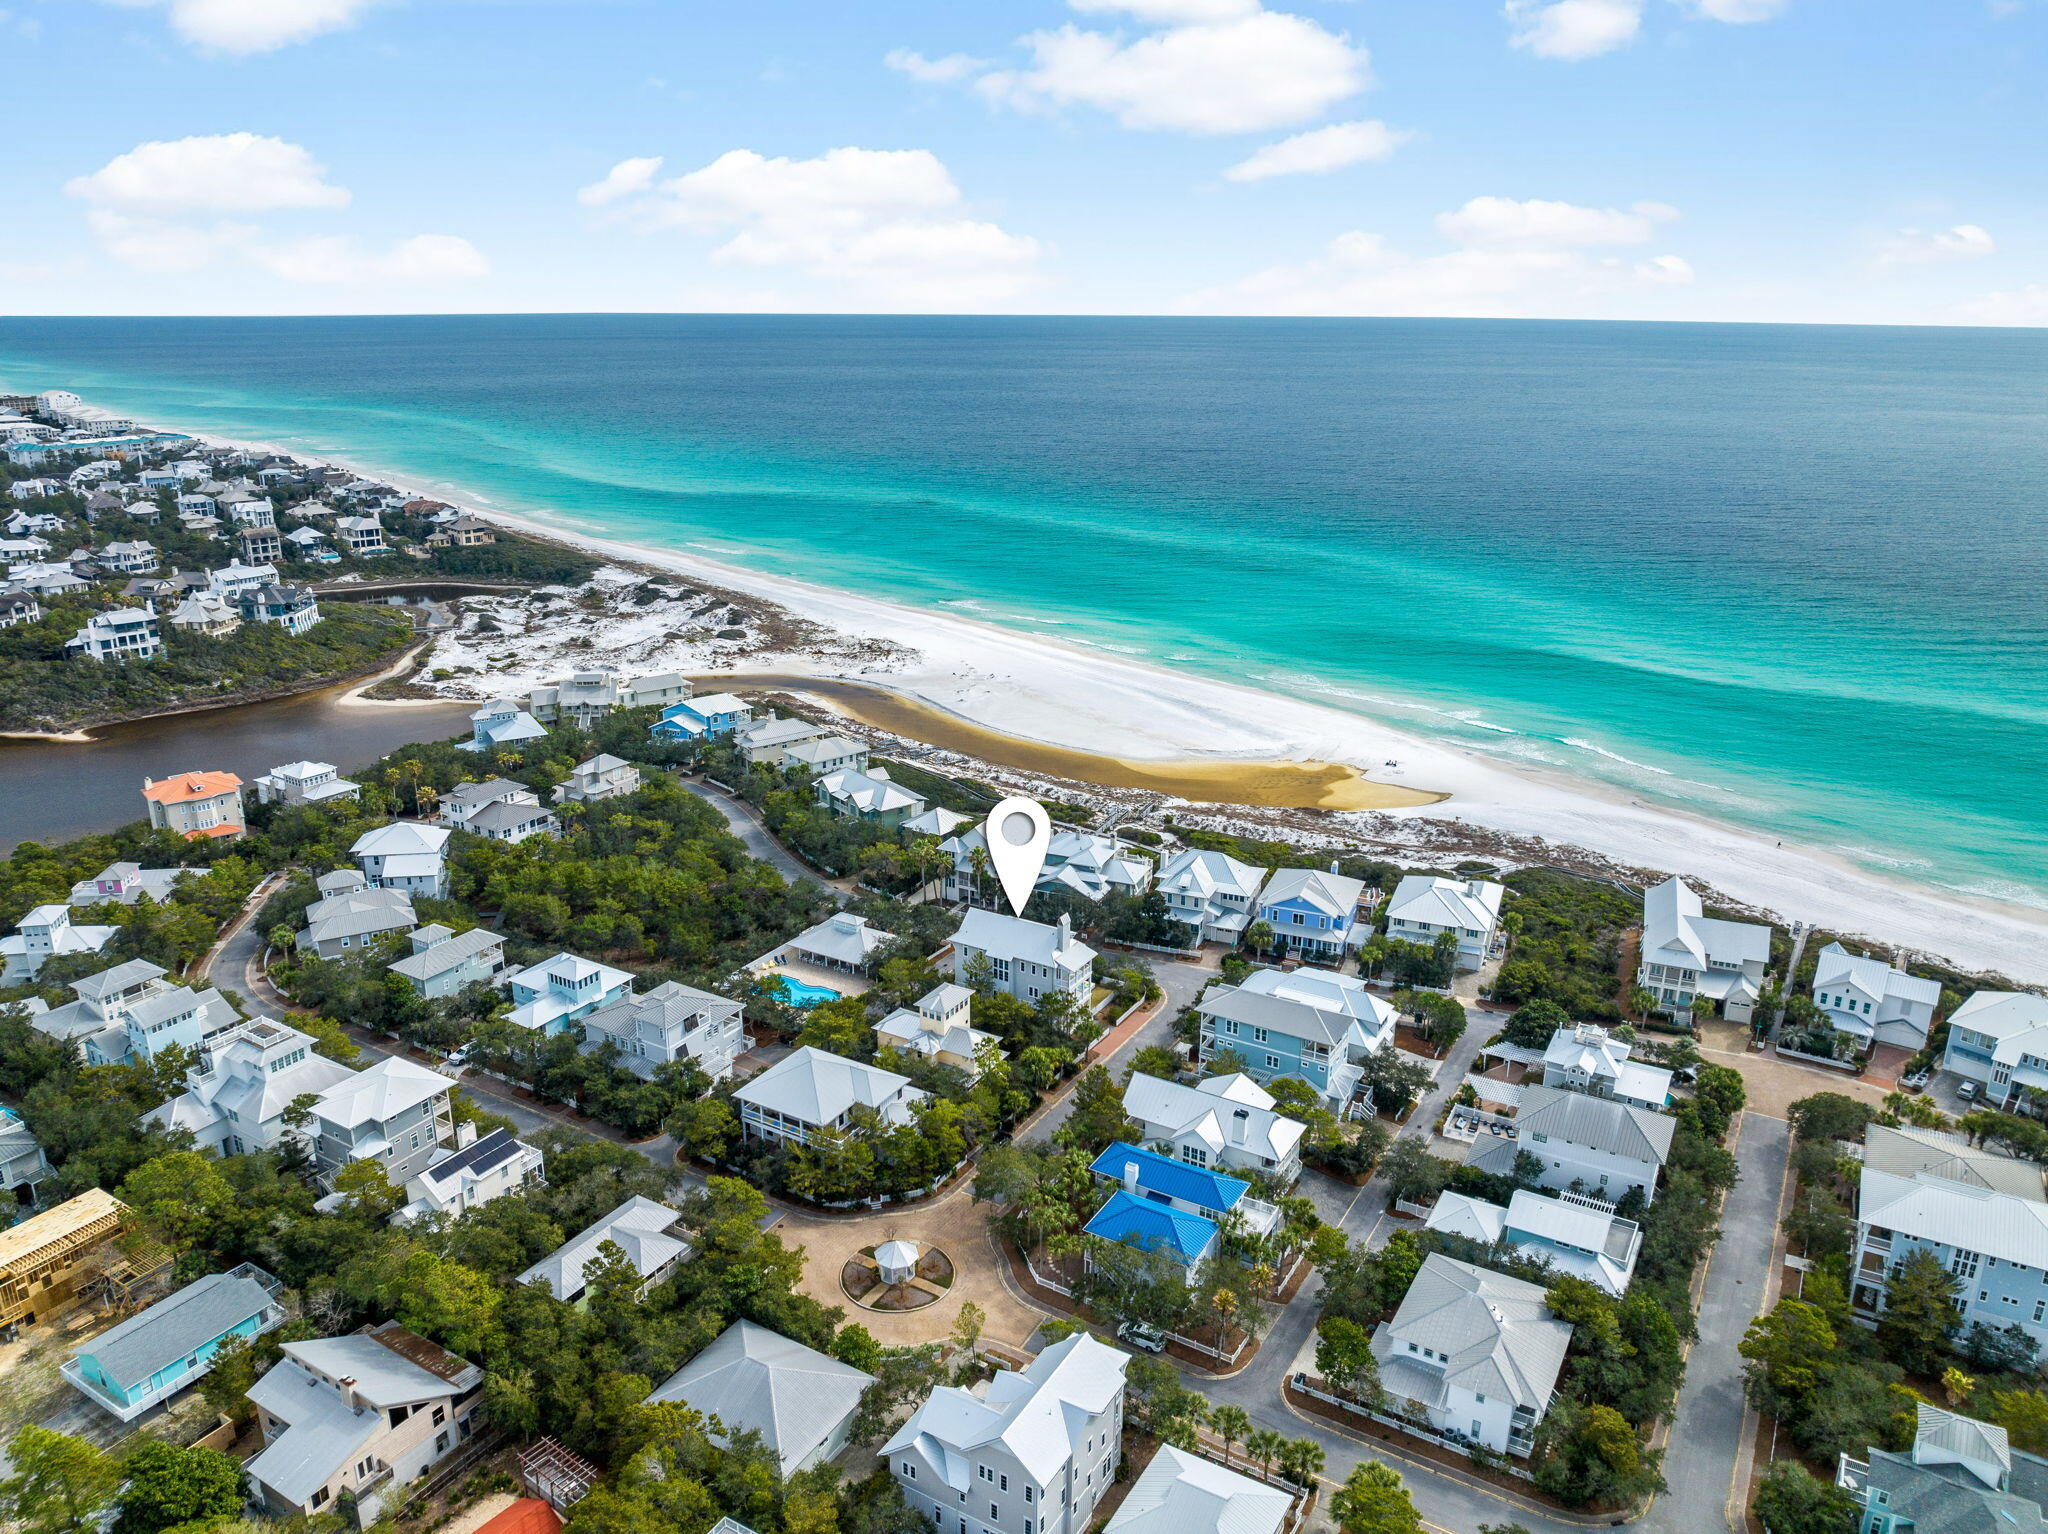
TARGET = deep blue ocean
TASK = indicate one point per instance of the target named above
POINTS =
(1795, 577)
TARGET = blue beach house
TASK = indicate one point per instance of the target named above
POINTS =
(547, 997)
(708, 718)
(159, 1352)
(1317, 1027)
(1164, 1204)
(1313, 914)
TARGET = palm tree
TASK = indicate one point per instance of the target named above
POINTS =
(979, 865)
(1265, 1445)
(1231, 1424)
(924, 852)
(1301, 1461)
(1258, 937)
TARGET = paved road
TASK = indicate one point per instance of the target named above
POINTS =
(1699, 1462)
(1182, 982)
(740, 818)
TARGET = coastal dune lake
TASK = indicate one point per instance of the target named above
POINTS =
(1789, 577)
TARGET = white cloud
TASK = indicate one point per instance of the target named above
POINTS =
(162, 245)
(1539, 224)
(1320, 150)
(1215, 68)
(950, 70)
(219, 173)
(889, 223)
(1737, 12)
(1499, 265)
(1573, 29)
(1666, 269)
(1915, 247)
(628, 178)
(255, 26)
(338, 259)
(2012, 306)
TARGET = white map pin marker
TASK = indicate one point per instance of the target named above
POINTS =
(1017, 832)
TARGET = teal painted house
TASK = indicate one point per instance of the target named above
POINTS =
(158, 1352)
(1313, 914)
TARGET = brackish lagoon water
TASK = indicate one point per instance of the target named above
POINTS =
(1790, 576)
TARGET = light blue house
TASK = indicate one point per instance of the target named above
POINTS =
(153, 1355)
(1313, 914)
(547, 997)
(708, 718)
(501, 722)
(1164, 1204)
(1318, 1027)
(442, 962)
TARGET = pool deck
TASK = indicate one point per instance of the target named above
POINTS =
(838, 982)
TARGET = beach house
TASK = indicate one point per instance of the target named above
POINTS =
(18, 606)
(1982, 1215)
(124, 883)
(547, 997)
(1587, 1058)
(712, 717)
(1227, 1122)
(811, 1089)
(1473, 1354)
(501, 722)
(869, 796)
(238, 1097)
(196, 804)
(354, 917)
(478, 1170)
(511, 819)
(395, 1113)
(1686, 953)
(751, 1380)
(1999, 1040)
(1424, 907)
(205, 614)
(1580, 1236)
(404, 855)
(1078, 862)
(230, 581)
(1590, 1145)
(138, 557)
(1028, 1451)
(938, 1029)
(92, 1019)
(1182, 1493)
(1313, 913)
(600, 777)
(291, 608)
(46, 933)
(1029, 960)
(361, 536)
(1960, 1476)
(261, 544)
(23, 1164)
(463, 800)
(443, 962)
(1318, 1028)
(827, 754)
(305, 783)
(647, 1232)
(763, 742)
(124, 634)
(169, 1347)
(364, 1415)
(1872, 1001)
(669, 1023)
(588, 696)
(1163, 1203)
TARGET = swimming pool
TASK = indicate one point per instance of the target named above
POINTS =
(797, 994)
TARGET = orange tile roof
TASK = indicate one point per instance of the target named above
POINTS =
(214, 831)
(190, 785)
(529, 1515)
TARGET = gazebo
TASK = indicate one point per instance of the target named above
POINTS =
(897, 1261)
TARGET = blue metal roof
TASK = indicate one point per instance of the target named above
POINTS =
(1176, 1179)
(1152, 1227)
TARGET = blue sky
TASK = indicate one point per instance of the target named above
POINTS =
(1872, 161)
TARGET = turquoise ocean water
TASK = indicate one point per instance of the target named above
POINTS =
(1796, 577)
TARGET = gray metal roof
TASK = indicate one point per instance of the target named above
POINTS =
(173, 1328)
(750, 1377)
(109, 981)
(1617, 1128)
(1495, 1333)
(1296, 1019)
(449, 953)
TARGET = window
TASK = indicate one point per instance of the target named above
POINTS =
(1258, 1035)
(440, 1415)
(910, 1470)
(440, 1443)
(1005, 1480)
(1027, 1502)
(984, 1472)
(319, 1497)
(994, 1512)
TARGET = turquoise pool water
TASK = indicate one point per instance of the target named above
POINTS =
(797, 994)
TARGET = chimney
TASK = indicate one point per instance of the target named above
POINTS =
(1240, 1122)
(1066, 927)
(347, 1386)
(465, 1135)
(1333, 865)
(1130, 1177)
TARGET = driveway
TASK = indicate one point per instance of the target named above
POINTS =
(1182, 982)
(743, 823)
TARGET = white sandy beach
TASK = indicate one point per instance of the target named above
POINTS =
(1088, 699)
